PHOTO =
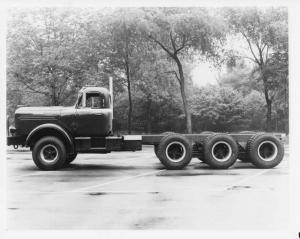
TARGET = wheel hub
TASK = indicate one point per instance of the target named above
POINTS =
(175, 151)
(267, 150)
(49, 153)
(221, 151)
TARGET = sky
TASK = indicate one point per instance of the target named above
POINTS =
(203, 75)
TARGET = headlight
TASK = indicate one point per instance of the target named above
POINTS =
(12, 130)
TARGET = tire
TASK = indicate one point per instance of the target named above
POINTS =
(156, 145)
(202, 160)
(220, 151)
(202, 157)
(265, 150)
(49, 153)
(156, 150)
(198, 152)
(174, 151)
(199, 155)
(244, 159)
(242, 155)
(70, 158)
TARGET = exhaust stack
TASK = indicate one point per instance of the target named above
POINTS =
(111, 95)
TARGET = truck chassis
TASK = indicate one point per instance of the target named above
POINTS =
(56, 135)
(175, 151)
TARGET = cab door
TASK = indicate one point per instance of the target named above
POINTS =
(92, 115)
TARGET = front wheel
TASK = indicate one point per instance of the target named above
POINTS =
(156, 150)
(70, 158)
(49, 153)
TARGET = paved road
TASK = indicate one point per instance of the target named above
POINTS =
(132, 191)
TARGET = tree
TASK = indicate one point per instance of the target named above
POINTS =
(44, 53)
(238, 75)
(265, 33)
(223, 109)
(154, 86)
(181, 33)
(218, 108)
(254, 110)
(119, 48)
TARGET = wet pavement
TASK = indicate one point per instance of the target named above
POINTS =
(131, 190)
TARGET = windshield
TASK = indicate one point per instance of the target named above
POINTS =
(96, 100)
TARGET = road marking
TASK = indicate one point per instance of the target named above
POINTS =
(117, 181)
(87, 192)
(25, 175)
(121, 180)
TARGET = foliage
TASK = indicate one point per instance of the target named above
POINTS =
(44, 53)
(182, 32)
(150, 52)
(265, 32)
(225, 109)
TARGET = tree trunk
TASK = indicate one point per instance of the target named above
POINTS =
(186, 107)
(269, 105)
(53, 97)
(129, 116)
(186, 110)
(54, 101)
(181, 79)
(269, 116)
(148, 122)
(130, 107)
(286, 108)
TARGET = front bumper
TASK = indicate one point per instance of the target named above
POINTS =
(15, 140)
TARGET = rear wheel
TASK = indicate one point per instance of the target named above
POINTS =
(174, 151)
(242, 155)
(156, 145)
(201, 156)
(198, 152)
(49, 153)
(265, 150)
(220, 151)
(244, 159)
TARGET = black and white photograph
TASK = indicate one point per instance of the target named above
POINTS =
(148, 117)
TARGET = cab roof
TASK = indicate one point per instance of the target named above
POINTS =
(94, 88)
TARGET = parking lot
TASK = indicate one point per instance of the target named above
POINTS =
(131, 190)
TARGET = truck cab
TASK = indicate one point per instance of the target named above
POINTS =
(93, 113)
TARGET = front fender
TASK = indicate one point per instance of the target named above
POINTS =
(55, 130)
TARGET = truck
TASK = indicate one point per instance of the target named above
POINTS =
(56, 134)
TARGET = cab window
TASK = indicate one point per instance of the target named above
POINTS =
(95, 100)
